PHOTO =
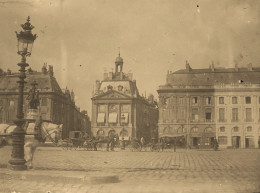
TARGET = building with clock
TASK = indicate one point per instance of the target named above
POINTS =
(198, 105)
(118, 108)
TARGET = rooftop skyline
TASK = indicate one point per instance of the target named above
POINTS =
(82, 39)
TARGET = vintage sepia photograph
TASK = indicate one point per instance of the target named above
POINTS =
(130, 96)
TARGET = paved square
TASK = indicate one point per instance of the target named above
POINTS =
(181, 171)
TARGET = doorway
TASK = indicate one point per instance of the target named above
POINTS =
(249, 142)
(195, 141)
(236, 141)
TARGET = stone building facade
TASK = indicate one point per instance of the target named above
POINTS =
(56, 105)
(200, 104)
(118, 108)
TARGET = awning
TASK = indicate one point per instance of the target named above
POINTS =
(10, 129)
(112, 118)
(3, 128)
(101, 117)
(124, 117)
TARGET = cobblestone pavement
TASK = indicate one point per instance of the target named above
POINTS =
(182, 171)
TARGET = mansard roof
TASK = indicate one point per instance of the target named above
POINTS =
(209, 77)
(46, 82)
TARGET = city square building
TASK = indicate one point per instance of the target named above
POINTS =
(56, 105)
(200, 104)
(118, 108)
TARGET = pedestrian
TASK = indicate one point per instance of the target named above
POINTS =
(215, 144)
(174, 145)
(142, 142)
(162, 144)
(123, 143)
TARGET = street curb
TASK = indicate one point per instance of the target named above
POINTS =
(64, 177)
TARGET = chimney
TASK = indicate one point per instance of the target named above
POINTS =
(250, 68)
(151, 98)
(212, 67)
(188, 68)
(105, 76)
(236, 67)
(110, 75)
(9, 72)
(98, 84)
(44, 68)
(51, 70)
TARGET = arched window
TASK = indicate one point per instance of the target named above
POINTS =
(222, 129)
(100, 132)
(180, 130)
(249, 129)
(194, 130)
(235, 129)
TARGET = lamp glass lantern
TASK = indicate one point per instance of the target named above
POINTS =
(25, 39)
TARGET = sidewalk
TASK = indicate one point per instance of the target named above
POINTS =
(59, 176)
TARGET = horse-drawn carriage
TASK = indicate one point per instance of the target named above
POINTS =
(78, 140)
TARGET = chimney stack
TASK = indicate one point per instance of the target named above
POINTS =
(188, 68)
(250, 68)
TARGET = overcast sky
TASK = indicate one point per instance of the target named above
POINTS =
(81, 38)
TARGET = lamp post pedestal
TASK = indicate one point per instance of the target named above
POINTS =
(17, 161)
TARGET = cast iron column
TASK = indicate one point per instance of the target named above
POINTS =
(17, 161)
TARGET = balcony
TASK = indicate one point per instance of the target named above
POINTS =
(222, 120)
(249, 120)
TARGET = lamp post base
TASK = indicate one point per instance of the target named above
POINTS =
(17, 161)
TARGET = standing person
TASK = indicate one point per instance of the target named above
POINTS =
(215, 144)
(162, 143)
(174, 145)
(142, 142)
(123, 143)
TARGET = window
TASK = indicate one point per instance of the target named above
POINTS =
(208, 116)
(11, 103)
(235, 114)
(248, 114)
(195, 100)
(181, 101)
(222, 129)
(102, 108)
(112, 118)
(249, 129)
(195, 114)
(234, 100)
(208, 100)
(101, 118)
(259, 100)
(222, 140)
(44, 102)
(235, 129)
(124, 118)
(194, 129)
(248, 100)
(221, 100)
(1, 103)
(221, 115)
(180, 113)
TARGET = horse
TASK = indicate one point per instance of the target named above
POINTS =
(110, 140)
(47, 131)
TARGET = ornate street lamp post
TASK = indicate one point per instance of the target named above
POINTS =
(25, 42)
